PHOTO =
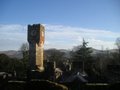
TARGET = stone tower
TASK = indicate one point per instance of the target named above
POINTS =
(36, 34)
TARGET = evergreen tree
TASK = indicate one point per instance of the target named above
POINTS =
(118, 47)
(83, 54)
(25, 60)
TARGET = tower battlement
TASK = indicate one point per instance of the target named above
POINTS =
(36, 34)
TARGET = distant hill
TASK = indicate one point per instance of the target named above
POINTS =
(95, 51)
(18, 54)
(12, 54)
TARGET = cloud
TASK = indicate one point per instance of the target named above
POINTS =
(12, 36)
(70, 36)
(57, 36)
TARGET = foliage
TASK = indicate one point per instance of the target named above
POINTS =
(118, 45)
(11, 65)
(94, 64)
(14, 65)
(55, 55)
(25, 51)
(83, 54)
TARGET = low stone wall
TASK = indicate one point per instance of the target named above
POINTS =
(49, 85)
(34, 85)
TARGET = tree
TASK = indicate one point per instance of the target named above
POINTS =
(83, 54)
(11, 65)
(116, 55)
(4, 62)
(118, 43)
(118, 46)
(25, 51)
(54, 55)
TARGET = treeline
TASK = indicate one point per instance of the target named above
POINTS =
(13, 66)
(95, 65)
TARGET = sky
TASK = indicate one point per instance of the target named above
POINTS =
(66, 22)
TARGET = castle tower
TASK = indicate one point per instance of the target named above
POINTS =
(36, 42)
